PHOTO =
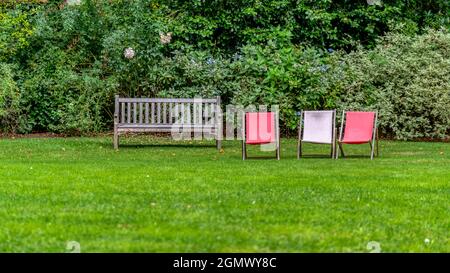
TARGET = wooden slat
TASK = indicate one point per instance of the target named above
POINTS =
(170, 113)
(213, 113)
(183, 116)
(141, 118)
(176, 112)
(164, 113)
(195, 113)
(158, 112)
(200, 113)
(122, 115)
(135, 112)
(216, 115)
(153, 113)
(129, 112)
(173, 112)
(188, 113)
(146, 112)
(205, 114)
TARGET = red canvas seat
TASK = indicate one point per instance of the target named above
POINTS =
(360, 128)
(260, 128)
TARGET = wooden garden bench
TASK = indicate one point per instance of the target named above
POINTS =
(168, 115)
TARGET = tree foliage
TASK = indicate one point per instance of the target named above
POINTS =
(62, 63)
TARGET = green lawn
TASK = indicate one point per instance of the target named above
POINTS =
(186, 197)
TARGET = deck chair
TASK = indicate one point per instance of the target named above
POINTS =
(317, 127)
(359, 128)
(260, 128)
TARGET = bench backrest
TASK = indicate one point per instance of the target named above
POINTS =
(167, 111)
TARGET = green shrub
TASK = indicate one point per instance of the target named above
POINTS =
(9, 100)
(135, 25)
(289, 77)
(221, 25)
(406, 78)
(15, 30)
(194, 74)
(69, 61)
(89, 109)
(58, 97)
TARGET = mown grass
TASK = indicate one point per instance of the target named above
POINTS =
(186, 197)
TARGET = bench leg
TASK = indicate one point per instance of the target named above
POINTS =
(116, 141)
(218, 144)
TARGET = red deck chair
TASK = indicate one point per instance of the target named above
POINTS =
(260, 128)
(360, 128)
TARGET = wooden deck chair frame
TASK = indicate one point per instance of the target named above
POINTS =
(300, 136)
(373, 142)
(277, 136)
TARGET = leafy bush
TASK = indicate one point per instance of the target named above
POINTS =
(62, 64)
(15, 29)
(194, 74)
(135, 25)
(9, 100)
(221, 25)
(406, 78)
(59, 100)
(289, 77)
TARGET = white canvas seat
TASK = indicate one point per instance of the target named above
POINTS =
(317, 127)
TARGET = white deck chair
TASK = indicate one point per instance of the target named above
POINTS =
(317, 127)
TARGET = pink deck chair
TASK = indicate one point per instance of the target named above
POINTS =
(260, 128)
(359, 128)
(317, 127)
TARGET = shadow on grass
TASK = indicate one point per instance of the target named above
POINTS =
(322, 156)
(165, 145)
(357, 156)
(261, 157)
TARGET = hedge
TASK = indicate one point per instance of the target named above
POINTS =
(61, 65)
